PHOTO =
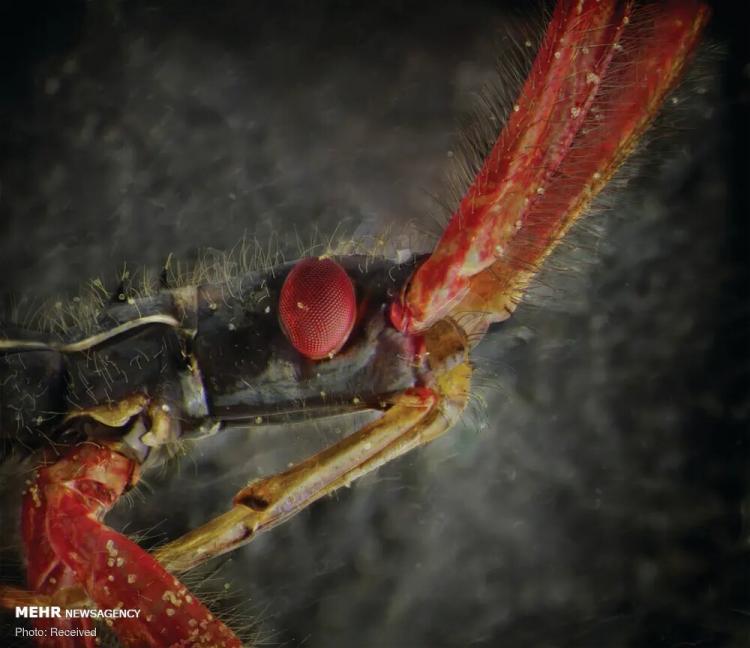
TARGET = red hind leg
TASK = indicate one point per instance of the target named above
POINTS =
(67, 545)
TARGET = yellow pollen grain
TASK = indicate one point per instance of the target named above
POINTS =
(172, 598)
(131, 578)
(170, 612)
(592, 78)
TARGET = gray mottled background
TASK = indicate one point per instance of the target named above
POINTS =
(596, 500)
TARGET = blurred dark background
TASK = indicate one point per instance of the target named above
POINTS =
(599, 499)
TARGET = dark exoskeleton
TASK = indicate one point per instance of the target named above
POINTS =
(210, 355)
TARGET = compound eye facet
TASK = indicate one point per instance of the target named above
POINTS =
(317, 307)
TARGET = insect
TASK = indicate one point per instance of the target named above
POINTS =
(389, 337)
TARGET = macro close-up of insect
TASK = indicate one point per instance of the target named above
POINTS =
(289, 358)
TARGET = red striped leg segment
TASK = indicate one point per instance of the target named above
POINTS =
(597, 82)
(66, 545)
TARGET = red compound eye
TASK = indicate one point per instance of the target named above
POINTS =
(317, 307)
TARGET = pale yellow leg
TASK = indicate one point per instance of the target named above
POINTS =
(416, 417)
